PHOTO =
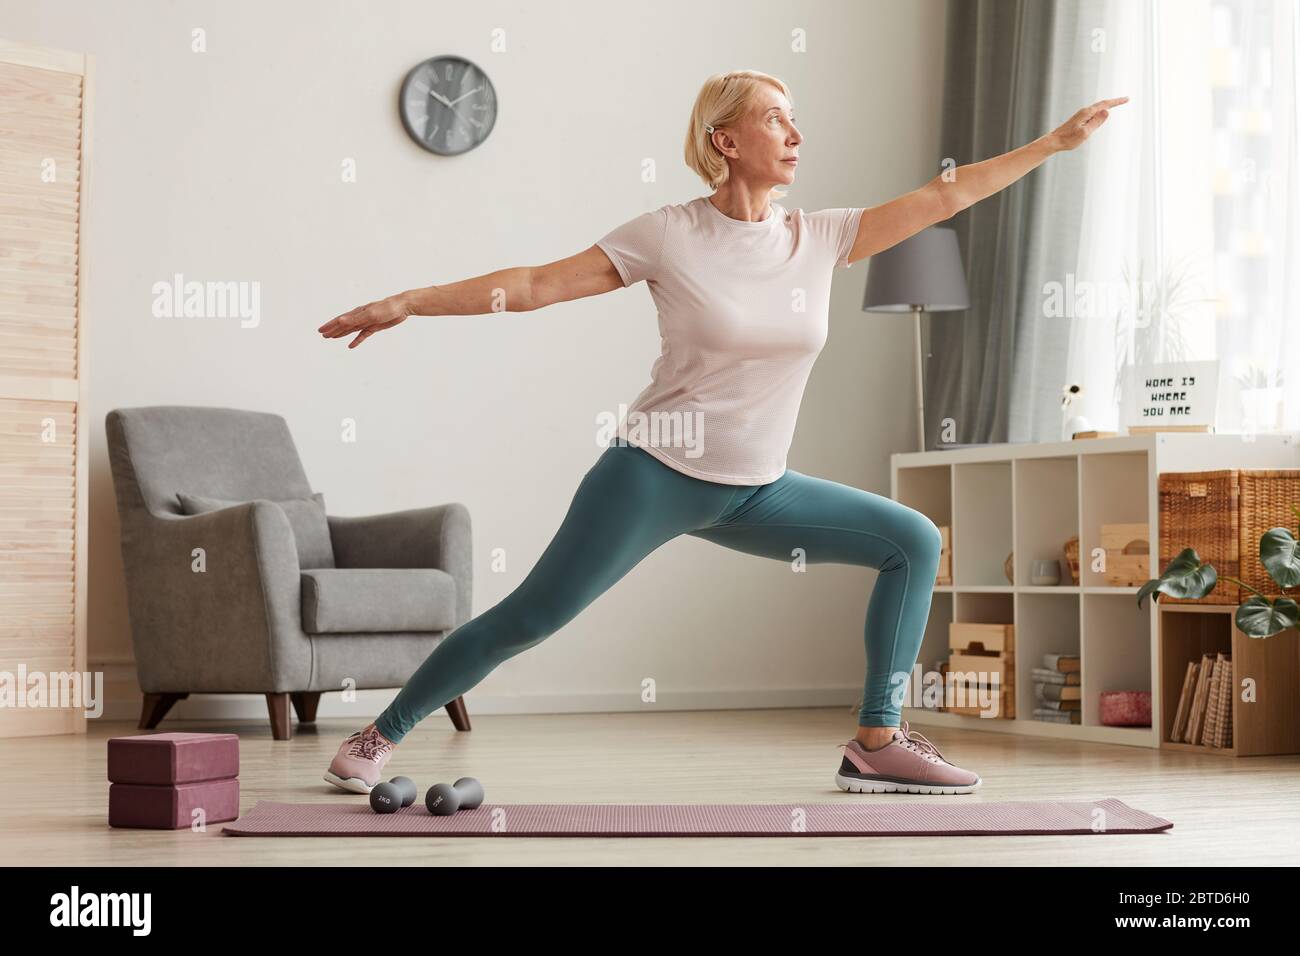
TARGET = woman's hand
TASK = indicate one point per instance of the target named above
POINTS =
(1081, 125)
(368, 319)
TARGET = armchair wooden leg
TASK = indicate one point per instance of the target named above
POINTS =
(281, 725)
(458, 714)
(304, 705)
(155, 708)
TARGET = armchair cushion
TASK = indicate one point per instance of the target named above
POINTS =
(311, 531)
(341, 600)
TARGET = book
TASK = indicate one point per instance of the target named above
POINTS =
(1065, 663)
(1209, 730)
(1225, 704)
(1184, 704)
(1058, 716)
(1057, 704)
(1197, 715)
(1218, 720)
(1093, 433)
(1057, 692)
(1045, 676)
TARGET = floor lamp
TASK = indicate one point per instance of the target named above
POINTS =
(920, 274)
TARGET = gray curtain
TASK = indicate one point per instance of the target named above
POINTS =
(1014, 70)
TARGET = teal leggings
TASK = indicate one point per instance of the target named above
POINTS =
(629, 503)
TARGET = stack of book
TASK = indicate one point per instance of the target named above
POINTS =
(1058, 696)
(1204, 714)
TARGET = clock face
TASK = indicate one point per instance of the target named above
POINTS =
(448, 105)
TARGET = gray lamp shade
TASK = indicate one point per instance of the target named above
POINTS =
(923, 271)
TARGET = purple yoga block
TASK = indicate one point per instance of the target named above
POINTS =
(164, 759)
(172, 807)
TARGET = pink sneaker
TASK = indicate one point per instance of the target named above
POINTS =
(907, 764)
(360, 760)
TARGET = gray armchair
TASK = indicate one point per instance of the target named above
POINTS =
(239, 598)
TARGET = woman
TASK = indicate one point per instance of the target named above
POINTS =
(742, 286)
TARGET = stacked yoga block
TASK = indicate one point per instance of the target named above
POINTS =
(158, 781)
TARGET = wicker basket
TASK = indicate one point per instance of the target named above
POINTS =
(1199, 509)
(1265, 498)
(1072, 557)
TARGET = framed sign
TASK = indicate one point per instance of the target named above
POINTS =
(1170, 395)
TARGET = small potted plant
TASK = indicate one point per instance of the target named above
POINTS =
(1261, 395)
(1258, 616)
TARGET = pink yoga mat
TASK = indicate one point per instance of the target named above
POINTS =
(936, 816)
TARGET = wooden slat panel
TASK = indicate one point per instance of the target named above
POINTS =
(24, 249)
(39, 136)
(44, 58)
(63, 195)
(37, 227)
(16, 196)
(63, 125)
(38, 115)
(20, 323)
(52, 389)
(24, 346)
(26, 292)
(22, 84)
(22, 169)
(15, 177)
(37, 534)
(30, 156)
(23, 303)
(34, 209)
(58, 277)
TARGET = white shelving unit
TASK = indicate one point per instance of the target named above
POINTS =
(1030, 498)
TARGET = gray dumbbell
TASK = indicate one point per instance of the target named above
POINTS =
(445, 799)
(409, 790)
(393, 796)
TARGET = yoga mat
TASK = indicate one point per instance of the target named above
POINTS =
(937, 816)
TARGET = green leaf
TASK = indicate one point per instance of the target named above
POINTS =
(1185, 577)
(1278, 550)
(1260, 617)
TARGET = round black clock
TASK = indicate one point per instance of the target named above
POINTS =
(448, 105)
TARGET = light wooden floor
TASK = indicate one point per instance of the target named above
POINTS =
(53, 793)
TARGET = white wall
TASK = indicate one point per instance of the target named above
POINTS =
(225, 165)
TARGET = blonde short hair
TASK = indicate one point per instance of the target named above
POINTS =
(723, 100)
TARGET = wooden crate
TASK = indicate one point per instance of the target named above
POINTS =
(1128, 558)
(987, 649)
(1005, 696)
(973, 638)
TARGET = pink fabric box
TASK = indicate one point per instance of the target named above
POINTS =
(172, 807)
(1125, 708)
(164, 759)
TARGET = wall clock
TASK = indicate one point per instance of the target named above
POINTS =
(448, 105)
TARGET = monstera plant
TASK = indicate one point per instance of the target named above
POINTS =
(1189, 577)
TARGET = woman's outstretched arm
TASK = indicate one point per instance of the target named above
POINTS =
(517, 289)
(950, 192)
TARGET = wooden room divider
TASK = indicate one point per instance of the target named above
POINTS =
(45, 110)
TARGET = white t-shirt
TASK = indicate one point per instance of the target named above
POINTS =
(743, 310)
